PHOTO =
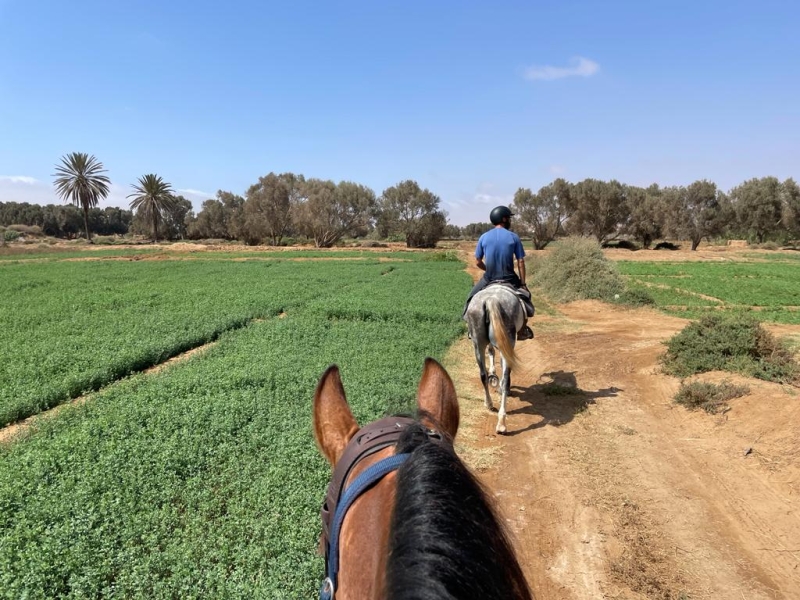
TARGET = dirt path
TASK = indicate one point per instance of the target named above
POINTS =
(614, 491)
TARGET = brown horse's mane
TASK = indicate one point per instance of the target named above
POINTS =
(446, 542)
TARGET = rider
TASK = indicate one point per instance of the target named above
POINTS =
(495, 254)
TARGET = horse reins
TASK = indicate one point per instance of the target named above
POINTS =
(369, 440)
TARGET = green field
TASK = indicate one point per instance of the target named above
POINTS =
(202, 480)
(771, 290)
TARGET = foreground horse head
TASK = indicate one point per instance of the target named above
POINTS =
(404, 518)
(494, 316)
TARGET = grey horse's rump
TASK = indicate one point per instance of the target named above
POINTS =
(494, 316)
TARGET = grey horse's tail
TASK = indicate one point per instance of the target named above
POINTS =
(504, 343)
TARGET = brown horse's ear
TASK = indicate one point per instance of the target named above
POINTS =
(437, 397)
(334, 424)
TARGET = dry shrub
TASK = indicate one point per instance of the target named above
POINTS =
(576, 269)
(30, 230)
(711, 397)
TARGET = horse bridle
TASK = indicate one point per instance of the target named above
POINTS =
(370, 439)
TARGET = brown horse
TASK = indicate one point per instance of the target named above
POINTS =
(404, 518)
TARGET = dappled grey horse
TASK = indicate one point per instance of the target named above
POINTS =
(494, 316)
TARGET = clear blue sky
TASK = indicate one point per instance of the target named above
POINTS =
(471, 99)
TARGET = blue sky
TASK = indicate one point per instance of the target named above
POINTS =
(471, 99)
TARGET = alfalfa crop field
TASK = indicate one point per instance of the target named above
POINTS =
(200, 480)
(766, 286)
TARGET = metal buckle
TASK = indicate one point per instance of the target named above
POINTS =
(326, 592)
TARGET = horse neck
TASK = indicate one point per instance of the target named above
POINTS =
(365, 528)
(446, 542)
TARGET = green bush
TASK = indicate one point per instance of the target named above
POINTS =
(729, 342)
(635, 297)
(447, 256)
(770, 245)
(711, 397)
(576, 269)
(10, 235)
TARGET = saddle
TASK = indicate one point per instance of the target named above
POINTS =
(523, 295)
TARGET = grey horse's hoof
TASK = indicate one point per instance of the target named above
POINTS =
(494, 381)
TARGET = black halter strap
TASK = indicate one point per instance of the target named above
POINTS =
(370, 439)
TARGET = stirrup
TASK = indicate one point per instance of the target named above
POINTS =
(526, 333)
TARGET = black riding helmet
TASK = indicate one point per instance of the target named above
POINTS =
(499, 213)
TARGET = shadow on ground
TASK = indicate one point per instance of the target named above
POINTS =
(556, 398)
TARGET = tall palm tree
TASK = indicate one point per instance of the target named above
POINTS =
(153, 196)
(79, 179)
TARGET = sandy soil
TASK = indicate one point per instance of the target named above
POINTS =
(615, 491)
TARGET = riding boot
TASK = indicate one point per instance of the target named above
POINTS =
(526, 333)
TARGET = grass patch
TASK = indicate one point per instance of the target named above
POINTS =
(735, 343)
(576, 269)
(711, 397)
(635, 296)
(446, 256)
(554, 389)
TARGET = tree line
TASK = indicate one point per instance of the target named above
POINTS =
(759, 209)
(289, 205)
(276, 207)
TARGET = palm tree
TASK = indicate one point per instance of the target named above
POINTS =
(153, 196)
(80, 180)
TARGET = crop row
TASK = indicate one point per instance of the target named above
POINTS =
(69, 328)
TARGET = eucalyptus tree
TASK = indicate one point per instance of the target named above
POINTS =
(695, 212)
(413, 212)
(330, 211)
(759, 206)
(646, 213)
(598, 208)
(545, 212)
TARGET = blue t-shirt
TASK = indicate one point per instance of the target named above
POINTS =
(498, 248)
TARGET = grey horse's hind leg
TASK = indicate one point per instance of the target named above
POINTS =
(480, 357)
(505, 387)
(493, 380)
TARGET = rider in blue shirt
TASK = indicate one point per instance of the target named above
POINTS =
(495, 254)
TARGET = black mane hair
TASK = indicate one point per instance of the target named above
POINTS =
(446, 542)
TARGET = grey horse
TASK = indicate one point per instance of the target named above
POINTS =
(494, 316)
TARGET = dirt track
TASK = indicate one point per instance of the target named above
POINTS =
(617, 492)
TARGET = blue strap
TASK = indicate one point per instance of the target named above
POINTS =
(368, 478)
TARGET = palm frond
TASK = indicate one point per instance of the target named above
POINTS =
(152, 192)
(153, 197)
(80, 179)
